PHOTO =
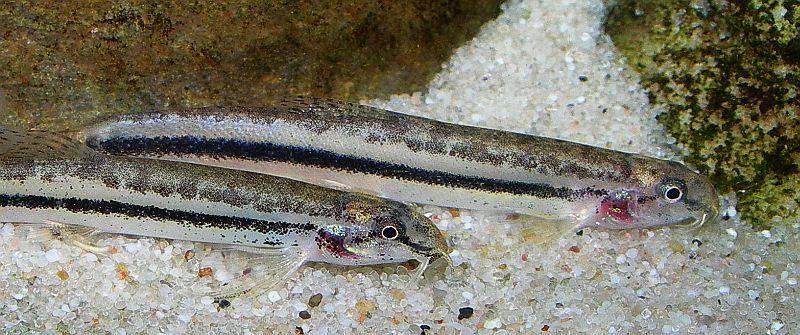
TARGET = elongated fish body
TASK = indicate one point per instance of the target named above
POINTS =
(69, 183)
(414, 159)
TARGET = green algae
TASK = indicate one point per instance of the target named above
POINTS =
(727, 72)
(65, 62)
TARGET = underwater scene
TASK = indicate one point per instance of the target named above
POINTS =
(419, 167)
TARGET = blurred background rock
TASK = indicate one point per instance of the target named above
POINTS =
(69, 61)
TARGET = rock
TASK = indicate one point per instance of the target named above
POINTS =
(71, 61)
(728, 74)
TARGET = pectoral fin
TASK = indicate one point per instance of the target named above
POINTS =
(70, 234)
(349, 188)
(542, 230)
(270, 266)
(335, 185)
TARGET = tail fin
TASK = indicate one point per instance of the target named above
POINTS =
(37, 144)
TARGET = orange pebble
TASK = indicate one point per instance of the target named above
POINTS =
(454, 212)
(63, 275)
(122, 271)
(205, 272)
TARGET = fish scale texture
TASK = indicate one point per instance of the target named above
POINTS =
(542, 67)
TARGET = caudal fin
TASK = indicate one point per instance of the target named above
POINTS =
(36, 144)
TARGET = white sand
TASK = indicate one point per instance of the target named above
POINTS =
(522, 74)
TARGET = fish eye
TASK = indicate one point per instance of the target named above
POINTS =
(671, 189)
(389, 232)
(673, 193)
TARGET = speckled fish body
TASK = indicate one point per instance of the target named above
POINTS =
(420, 160)
(70, 184)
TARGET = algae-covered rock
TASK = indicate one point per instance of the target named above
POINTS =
(727, 71)
(66, 61)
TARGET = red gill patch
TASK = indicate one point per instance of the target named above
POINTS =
(617, 208)
(332, 240)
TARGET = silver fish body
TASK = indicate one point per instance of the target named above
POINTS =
(420, 160)
(63, 182)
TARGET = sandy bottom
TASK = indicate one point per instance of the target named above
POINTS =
(540, 68)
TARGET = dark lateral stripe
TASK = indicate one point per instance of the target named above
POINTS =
(190, 219)
(262, 151)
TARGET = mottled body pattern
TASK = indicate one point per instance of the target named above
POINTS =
(419, 160)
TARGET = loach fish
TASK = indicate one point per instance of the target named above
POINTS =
(49, 178)
(348, 146)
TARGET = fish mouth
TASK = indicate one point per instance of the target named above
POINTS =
(439, 254)
(710, 215)
(693, 222)
(436, 254)
(428, 256)
(690, 222)
(436, 264)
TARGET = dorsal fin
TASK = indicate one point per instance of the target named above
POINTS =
(38, 144)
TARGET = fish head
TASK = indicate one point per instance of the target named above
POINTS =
(664, 193)
(379, 231)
